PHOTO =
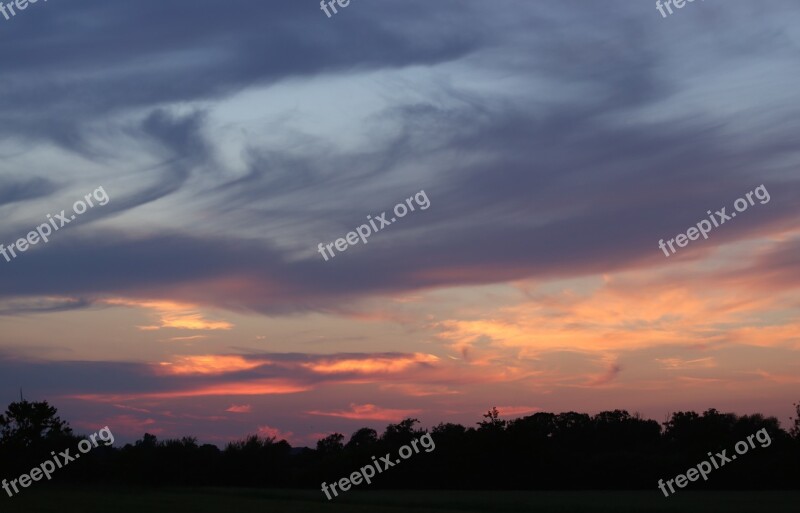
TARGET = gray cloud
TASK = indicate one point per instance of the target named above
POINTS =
(15, 190)
(582, 173)
(87, 59)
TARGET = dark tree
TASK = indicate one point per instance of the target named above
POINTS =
(795, 429)
(26, 424)
(492, 422)
(331, 444)
(400, 434)
(608, 450)
(364, 438)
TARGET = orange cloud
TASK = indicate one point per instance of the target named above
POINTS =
(628, 311)
(240, 408)
(259, 387)
(768, 336)
(388, 364)
(173, 315)
(687, 315)
(367, 412)
(193, 337)
(680, 364)
(207, 364)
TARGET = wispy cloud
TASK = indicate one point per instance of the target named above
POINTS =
(508, 411)
(388, 364)
(277, 434)
(254, 387)
(173, 315)
(208, 364)
(367, 412)
(681, 364)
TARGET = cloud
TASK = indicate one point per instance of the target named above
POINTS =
(389, 364)
(181, 339)
(607, 377)
(252, 387)
(131, 408)
(13, 190)
(243, 45)
(507, 411)
(208, 364)
(419, 390)
(681, 364)
(190, 376)
(239, 408)
(173, 315)
(277, 434)
(367, 412)
(42, 305)
(557, 146)
(554, 213)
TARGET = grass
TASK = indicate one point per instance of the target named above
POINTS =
(213, 500)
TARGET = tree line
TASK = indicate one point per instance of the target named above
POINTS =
(609, 450)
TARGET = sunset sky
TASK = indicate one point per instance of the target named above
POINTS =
(557, 142)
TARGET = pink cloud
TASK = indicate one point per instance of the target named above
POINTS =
(506, 411)
(420, 390)
(277, 434)
(367, 412)
(240, 408)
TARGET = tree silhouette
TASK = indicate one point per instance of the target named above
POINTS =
(363, 439)
(331, 444)
(492, 422)
(795, 430)
(608, 450)
(29, 431)
(401, 433)
(25, 424)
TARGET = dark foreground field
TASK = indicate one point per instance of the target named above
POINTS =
(277, 501)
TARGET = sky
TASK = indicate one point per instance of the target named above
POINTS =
(555, 144)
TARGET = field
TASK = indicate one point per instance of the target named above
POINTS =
(129, 500)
